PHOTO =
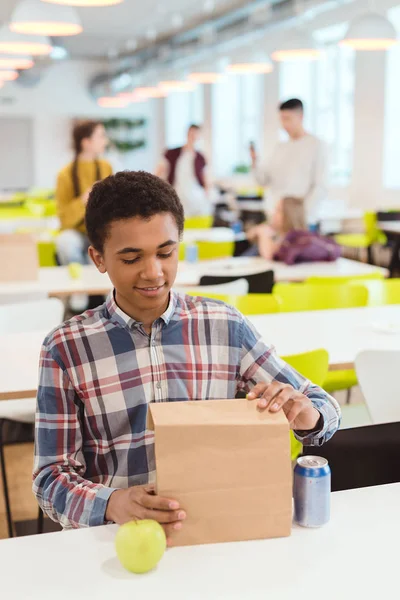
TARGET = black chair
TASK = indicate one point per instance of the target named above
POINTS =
(259, 283)
(362, 456)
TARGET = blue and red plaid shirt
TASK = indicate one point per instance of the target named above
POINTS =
(100, 370)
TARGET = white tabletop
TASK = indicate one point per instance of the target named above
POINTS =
(344, 333)
(189, 274)
(213, 234)
(55, 281)
(353, 556)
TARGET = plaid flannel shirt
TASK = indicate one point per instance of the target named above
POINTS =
(100, 370)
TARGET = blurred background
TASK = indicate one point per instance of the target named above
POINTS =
(107, 63)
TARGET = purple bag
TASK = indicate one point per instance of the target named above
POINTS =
(305, 246)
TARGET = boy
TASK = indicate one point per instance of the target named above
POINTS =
(94, 458)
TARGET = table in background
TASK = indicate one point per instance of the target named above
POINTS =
(56, 281)
(353, 556)
(343, 332)
(190, 273)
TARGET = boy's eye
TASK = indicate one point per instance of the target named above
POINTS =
(133, 260)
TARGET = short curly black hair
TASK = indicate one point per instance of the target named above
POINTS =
(125, 195)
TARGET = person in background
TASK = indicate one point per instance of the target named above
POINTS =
(185, 169)
(288, 216)
(297, 167)
(94, 454)
(74, 183)
(287, 238)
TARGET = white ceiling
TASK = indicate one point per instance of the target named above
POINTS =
(111, 28)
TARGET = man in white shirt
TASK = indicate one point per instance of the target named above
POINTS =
(184, 168)
(297, 167)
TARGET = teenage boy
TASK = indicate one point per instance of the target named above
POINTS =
(94, 457)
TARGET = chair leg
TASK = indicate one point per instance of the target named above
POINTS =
(5, 484)
(40, 521)
(370, 255)
(348, 396)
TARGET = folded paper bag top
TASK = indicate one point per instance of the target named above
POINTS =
(228, 464)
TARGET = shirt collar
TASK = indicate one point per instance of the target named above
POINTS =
(126, 321)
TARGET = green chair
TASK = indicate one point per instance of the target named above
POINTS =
(255, 304)
(296, 297)
(203, 222)
(221, 297)
(363, 241)
(314, 366)
(381, 292)
(345, 278)
(210, 250)
(47, 253)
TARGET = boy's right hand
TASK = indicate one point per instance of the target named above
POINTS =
(141, 502)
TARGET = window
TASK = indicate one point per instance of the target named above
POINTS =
(326, 87)
(391, 171)
(236, 120)
(182, 109)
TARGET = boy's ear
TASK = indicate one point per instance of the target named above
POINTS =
(97, 258)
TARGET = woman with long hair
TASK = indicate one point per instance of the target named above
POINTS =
(288, 216)
(74, 183)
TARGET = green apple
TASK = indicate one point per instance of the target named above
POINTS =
(75, 270)
(140, 545)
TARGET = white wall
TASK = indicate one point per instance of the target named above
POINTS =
(61, 95)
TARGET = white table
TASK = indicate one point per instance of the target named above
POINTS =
(55, 281)
(190, 274)
(353, 556)
(344, 333)
(213, 234)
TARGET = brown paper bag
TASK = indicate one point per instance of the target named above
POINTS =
(228, 464)
(18, 258)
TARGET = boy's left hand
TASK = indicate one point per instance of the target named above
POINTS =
(298, 409)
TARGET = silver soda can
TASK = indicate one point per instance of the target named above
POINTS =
(312, 491)
(191, 253)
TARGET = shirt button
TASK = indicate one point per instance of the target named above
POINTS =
(158, 384)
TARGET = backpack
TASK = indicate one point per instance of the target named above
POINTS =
(305, 246)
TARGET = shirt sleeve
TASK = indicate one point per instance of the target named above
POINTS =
(261, 175)
(71, 211)
(260, 363)
(59, 482)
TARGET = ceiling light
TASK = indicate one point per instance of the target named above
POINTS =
(85, 2)
(370, 32)
(148, 92)
(242, 68)
(171, 85)
(204, 77)
(8, 75)
(14, 61)
(40, 18)
(112, 102)
(297, 47)
(16, 43)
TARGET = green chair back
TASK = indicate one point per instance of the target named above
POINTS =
(359, 279)
(203, 222)
(255, 304)
(210, 250)
(381, 292)
(314, 366)
(304, 296)
(222, 297)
